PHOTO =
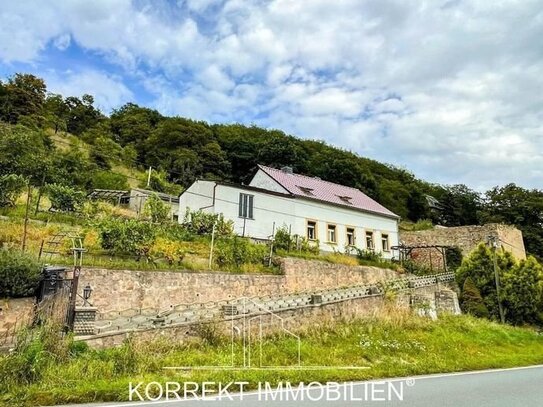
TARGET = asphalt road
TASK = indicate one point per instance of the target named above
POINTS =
(520, 387)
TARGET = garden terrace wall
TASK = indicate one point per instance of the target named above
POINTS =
(15, 314)
(117, 290)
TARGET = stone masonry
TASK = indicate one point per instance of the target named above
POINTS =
(118, 290)
(466, 238)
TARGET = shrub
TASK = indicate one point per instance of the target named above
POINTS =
(479, 266)
(64, 198)
(201, 223)
(238, 251)
(156, 210)
(471, 300)
(368, 255)
(95, 210)
(283, 240)
(19, 274)
(453, 256)
(128, 236)
(522, 291)
(414, 267)
(107, 180)
(11, 186)
(172, 252)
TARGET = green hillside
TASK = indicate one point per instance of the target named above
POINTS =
(67, 140)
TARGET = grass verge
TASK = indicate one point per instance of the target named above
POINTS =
(390, 345)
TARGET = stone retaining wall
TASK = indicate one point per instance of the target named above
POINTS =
(15, 313)
(117, 290)
(444, 300)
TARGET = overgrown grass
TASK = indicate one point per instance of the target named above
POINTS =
(390, 345)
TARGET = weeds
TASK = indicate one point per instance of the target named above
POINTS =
(49, 368)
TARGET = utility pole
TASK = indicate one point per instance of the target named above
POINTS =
(493, 241)
(149, 177)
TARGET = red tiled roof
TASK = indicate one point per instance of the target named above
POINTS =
(315, 188)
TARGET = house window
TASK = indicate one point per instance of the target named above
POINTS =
(369, 241)
(311, 230)
(384, 243)
(246, 206)
(331, 233)
(350, 237)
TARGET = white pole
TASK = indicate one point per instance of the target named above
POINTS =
(149, 177)
(271, 245)
(211, 248)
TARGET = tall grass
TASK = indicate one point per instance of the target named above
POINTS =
(50, 370)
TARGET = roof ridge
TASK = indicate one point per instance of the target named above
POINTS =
(313, 178)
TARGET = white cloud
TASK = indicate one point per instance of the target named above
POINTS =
(450, 90)
(109, 92)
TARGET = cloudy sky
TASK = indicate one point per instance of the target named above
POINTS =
(449, 89)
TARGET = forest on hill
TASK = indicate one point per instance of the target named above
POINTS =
(50, 138)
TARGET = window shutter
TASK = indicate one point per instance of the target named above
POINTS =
(240, 212)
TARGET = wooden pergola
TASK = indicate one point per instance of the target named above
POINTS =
(406, 252)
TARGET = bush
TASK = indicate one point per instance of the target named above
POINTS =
(156, 210)
(126, 236)
(201, 223)
(108, 180)
(283, 240)
(521, 283)
(64, 198)
(471, 300)
(238, 251)
(19, 274)
(368, 255)
(522, 291)
(11, 186)
(453, 256)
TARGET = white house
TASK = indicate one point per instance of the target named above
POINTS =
(334, 215)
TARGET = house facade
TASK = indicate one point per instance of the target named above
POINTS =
(332, 215)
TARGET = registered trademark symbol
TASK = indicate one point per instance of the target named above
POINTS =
(410, 382)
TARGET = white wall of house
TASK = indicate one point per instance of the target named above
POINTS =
(264, 181)
(290, 212)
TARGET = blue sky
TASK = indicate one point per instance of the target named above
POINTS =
(450, 90)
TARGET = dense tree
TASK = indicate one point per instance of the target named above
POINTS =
(472, 301)
(22, 95)
(24, 152)
(521, 207)
(82, 115)
(132, 124)
(460, 206)
(522, 290)
(56, 112)
(479, 267)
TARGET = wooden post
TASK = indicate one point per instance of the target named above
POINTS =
(271, 245)
(25, 227)
(211, 248)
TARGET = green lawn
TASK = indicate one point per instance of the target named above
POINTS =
(392, 345)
